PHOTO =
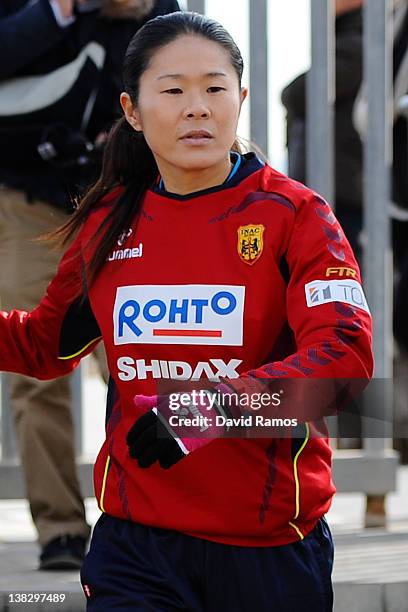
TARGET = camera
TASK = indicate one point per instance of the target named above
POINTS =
(64, 147)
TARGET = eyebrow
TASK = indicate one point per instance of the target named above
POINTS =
(180, 76)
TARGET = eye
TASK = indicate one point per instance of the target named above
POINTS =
(175, 90)
(216, 89)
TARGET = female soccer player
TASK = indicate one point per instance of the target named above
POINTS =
(194, 261)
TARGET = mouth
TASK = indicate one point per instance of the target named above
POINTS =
(197, 135)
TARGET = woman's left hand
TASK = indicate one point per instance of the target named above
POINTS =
(172, 429)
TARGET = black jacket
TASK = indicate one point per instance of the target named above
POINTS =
(31, 44)
(400, 320)
(400, 128)
(348, 149)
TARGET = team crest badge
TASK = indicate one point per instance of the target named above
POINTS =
(250, 242)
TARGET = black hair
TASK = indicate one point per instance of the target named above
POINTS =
(128, 160)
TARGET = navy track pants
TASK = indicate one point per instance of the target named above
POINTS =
(135, 568)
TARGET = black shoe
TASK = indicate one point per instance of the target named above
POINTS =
(63, 553)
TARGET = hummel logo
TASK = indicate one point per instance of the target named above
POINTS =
(124, 236)
(127, 253)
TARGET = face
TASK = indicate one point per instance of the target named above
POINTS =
(189, 104)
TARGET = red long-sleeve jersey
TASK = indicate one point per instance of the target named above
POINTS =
(253, 277)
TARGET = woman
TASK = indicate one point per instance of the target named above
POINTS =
(191, 261)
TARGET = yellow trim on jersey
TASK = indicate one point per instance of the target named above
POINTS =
(297, 495)
(300, 534)
(81, 350)
(297, 486)
(105, 477)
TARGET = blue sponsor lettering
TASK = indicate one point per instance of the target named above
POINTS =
(223, 295)
(176, 311)
(154, 318)
(129, 318)
(199, 305)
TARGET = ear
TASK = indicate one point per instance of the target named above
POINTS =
(244, 94)
(131, 113)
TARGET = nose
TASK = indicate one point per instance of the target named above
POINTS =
(197, 108)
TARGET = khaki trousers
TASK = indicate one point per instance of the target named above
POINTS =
(42, 409)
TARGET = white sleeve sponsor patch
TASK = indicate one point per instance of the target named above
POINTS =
(347, 291)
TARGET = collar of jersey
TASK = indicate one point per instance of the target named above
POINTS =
(235, 159)
(244, 165)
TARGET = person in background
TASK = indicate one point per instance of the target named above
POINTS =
(348, 148)
(399, 208)
(348, 173)
(59, 86)
(398, 213)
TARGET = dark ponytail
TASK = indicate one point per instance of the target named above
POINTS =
(128, 161)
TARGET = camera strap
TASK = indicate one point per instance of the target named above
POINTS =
(90, 105)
